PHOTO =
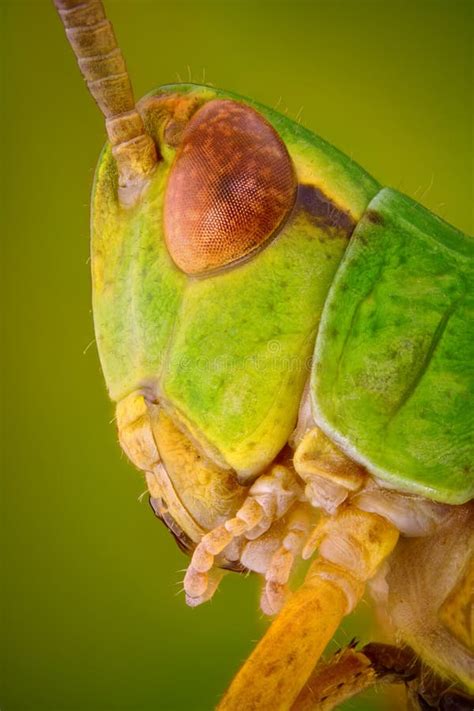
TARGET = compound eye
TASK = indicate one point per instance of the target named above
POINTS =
(230, 189)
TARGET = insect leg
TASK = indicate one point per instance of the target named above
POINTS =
(346, 674)
(277, 575)
(269, 499)
(351, 671)
(328, 473)
(352, 548)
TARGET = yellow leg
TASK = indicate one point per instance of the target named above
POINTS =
(275, 672)
(355, 544)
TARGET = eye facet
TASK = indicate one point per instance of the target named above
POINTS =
(231, 187)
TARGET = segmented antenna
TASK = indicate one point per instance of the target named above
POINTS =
(100, 60)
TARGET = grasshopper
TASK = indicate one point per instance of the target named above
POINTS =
(288, 346)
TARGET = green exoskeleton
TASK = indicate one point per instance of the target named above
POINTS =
(288, 346)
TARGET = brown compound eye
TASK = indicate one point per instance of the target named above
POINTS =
(229, 190)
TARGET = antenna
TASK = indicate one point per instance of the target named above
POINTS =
(102, 65)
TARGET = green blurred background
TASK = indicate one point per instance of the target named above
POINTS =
(92, 615)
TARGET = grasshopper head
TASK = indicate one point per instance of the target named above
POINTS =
(208, 290)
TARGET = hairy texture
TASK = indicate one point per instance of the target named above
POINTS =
(426, 575)
(348, 673)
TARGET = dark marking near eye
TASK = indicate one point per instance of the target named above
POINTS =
(323, 211)
(374, 217)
